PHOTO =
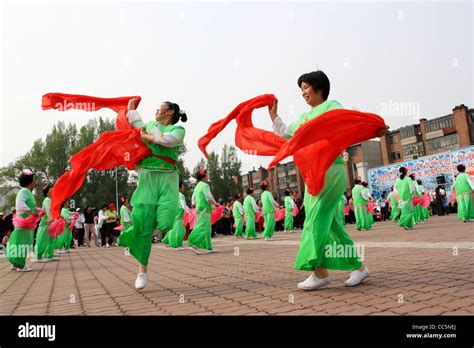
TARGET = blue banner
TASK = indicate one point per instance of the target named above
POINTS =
(426, 168)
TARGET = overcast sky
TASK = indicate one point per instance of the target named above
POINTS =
(401, 60)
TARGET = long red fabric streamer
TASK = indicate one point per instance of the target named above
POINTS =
(123, 146)
(315, 145)
(247, 137)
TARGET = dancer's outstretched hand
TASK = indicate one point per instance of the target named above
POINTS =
(381, 132)
(273, 110)
(132, 104)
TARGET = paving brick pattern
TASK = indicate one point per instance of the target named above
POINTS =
(427, 271)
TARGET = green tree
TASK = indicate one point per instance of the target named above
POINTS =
(49, 158)
(230, 168)
(215, 175)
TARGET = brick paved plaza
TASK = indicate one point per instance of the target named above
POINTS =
(427, 271)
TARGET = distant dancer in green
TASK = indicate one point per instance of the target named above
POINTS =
(125, 214)
(21, 240)
(289, 206)
(202, 199)
(360, 200)
(404, 188)
(238, 212)
(251, 209)
(269, 206)
(44, 248)
(417, 210)
(464, 187)
(395, 211)
(174, 238)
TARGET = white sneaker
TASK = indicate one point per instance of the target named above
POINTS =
(179, 248)
(62, 251)
(43, 260)
(54, 258)
(357, 277)
(212, 251)
(24, 269)
(269, 239)
(313, 282)
(107, 245)
(141, 280)
(194, 250)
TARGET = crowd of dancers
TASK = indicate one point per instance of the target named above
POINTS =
(158, 205)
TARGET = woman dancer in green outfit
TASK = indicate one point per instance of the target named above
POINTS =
(155, 199)
(44, 248)
(367, 198)
(360, 206)
(405, 188)
(321, 229)
(395, 211)
(125, 214)
(238, 211)
(268, 209)
(174, 238)
(464, 187)
(289, 206)
(416, 208)
(421, 192)
(250, 208)
(202, 199)
(63, 241)
(21, 239)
